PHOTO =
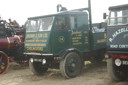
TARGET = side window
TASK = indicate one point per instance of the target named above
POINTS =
(61, 22)
(82, 21)
(79, 22)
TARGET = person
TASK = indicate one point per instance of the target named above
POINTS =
(15, 24)
(10, 21)
(64, 23)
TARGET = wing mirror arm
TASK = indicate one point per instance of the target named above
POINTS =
(104, 15)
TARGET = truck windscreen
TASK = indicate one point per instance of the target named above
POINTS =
(39, 24)
(118, 17)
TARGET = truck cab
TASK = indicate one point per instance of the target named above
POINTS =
(64, 40)
(55, 33)
(117, 42)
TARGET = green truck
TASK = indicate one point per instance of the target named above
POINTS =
(117, 42)
(64, 41)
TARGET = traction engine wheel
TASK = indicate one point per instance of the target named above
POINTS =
(4, 62)
(71, 65)
(37, 68)
(117, 73)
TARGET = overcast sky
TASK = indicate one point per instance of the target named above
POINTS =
(20, 10)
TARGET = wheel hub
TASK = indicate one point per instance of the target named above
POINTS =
(72, 65)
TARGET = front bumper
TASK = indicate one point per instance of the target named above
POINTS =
(119, 57)
(38, 54)
(117, 54)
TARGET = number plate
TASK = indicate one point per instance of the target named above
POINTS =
(125, 62)
(38, 60)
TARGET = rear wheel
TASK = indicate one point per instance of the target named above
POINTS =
(71, 65)
(117, 73)
(4, 62)
(37, 68)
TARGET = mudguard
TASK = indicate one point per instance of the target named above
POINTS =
(64, 53)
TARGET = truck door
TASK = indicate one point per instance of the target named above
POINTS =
(60, 34)
(80, 32)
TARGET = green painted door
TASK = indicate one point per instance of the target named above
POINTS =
(80, 32)
(61, 35)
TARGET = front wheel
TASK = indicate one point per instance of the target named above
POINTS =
(117, 73)
(4, 62)
(37, 68)
(71, 65)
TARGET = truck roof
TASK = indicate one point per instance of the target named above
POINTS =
(61, 13)
(119, 7)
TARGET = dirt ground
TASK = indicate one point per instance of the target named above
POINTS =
(93, 74)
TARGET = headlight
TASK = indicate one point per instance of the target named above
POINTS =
(31, 60)
(44, 61)
(118, 62)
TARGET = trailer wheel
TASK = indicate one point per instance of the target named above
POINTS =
(37, 68)
(117, 73)
(71, 65)
(4, 62)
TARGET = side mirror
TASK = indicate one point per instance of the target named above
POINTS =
(104, 15)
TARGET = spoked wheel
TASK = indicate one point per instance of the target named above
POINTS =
(4, 62)
(37, 68)
(71, 65)
(117, 73)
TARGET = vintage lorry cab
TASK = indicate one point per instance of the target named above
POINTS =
(64, 40)
(117, 42)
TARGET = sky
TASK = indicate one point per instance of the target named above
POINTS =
(20, 10)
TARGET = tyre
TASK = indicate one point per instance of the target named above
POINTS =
(71, 65)
(117, 73)
(37, 68)
(4, 62)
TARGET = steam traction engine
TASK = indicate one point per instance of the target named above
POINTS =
(11, 44)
